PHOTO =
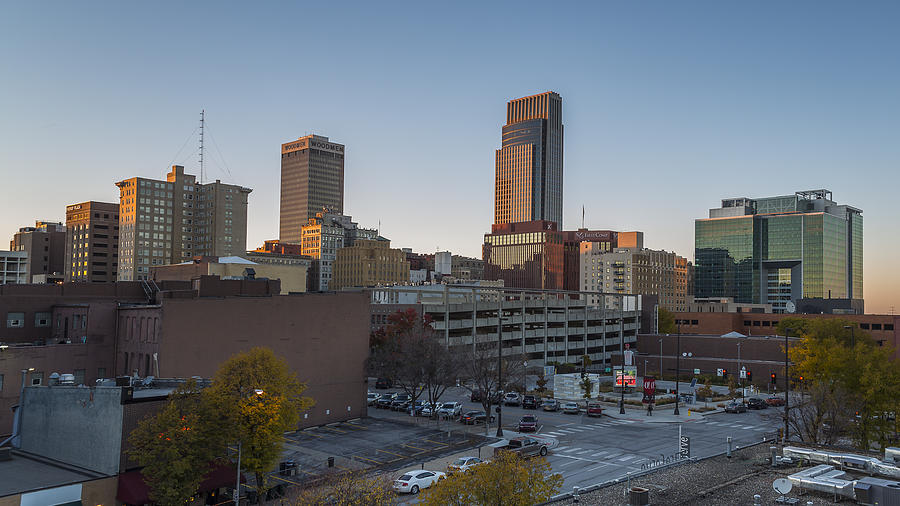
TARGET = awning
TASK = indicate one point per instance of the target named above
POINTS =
(133, 490)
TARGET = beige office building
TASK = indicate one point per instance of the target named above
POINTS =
(292, 276)
(322, 237)
(635, 271)
(171, 221)
(369, 263)
(92, 242)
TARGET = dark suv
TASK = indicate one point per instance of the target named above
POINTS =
(382, 383)
(530, 402)
(400, 403)
(756, 403)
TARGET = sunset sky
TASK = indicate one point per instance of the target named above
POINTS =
(668, 107)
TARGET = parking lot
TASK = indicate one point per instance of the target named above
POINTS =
(368, 443)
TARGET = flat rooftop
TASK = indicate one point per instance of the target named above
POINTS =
(27, 473)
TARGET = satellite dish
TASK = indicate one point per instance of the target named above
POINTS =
(782, 485)
(790, 307)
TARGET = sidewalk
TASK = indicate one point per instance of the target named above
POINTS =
(660, 415)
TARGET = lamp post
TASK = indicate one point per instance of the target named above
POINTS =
(499, 371)
(677, 370)
(237, 485)
(741, 374)
(622, 350)
(660, 359)
(787, 384)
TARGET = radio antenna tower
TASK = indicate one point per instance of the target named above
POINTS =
(202, 120)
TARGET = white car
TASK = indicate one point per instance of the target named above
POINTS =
(450, 409)
(463, 464)
(511, 399)
(414, 481)
(571, 408)
(372, 397)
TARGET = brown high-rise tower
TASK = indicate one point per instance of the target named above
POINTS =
(312, 179)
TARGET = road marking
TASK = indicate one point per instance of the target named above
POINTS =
(332, 428)
(562, 448)
(435, 442)
(366, 458)
(627, 457)
(570, 449)
(599, 454)
(354, 426)
(586, 451)
(759, 428)
(392, 453)
(574, 461)
(597, 467)
(745, 427)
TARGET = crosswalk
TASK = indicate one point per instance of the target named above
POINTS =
(574, 454)
(733, 425)
(587, 427)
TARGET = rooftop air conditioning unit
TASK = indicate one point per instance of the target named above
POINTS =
(66, 379)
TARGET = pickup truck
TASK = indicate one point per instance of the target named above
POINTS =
(524, 446)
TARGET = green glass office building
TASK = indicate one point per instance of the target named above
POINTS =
(778, 250)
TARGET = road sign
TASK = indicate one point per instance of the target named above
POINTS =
(696, 371)
(684, 447)
(720, 372)
(782, 486)
(743, 373)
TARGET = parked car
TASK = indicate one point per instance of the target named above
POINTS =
(735, 407)
(756, 403)
(418, 406)
(571, 408)
(524, 446)
(528, 423)
(384, 402)
(430, 410)
(400, 403)
(511, 399)
(383, 383)
(371, 397)
(450, 409)
(474, 417)
(594, 409)
(550, 405)
(476, 396)
(530, 402)
(414, 481)
(463, 464)
(775, 401)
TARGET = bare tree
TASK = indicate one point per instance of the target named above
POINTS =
(479, 367)
(439, 367)
(820, 417)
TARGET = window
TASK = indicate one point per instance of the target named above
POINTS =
(101, 372)
(876, 326)
(79, 376)
(864, 326)
(41, 319)
(37, 378)
(888, 326)
(15, 320)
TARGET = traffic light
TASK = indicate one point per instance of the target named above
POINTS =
(725, 373)
(801, 379)
(749, 376)
(773, 378)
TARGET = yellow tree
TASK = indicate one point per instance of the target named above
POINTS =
(354, 488)
(257, 399)
(175, 448)
(508, 480)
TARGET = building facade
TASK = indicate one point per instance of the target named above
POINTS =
(13, 268)
(278, 253)
(525, 255)
(321, 238)
(165, 222)
(45, 245)
(92, 242)
(312, 179)
(544, 325)
(291, 276)
(529, 163)
(467, 268)
(777, 250)
(635, 271)
(369, 263)
(602, 240)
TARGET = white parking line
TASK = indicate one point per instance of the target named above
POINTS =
(586, 451)
(759, 428)
(570, 449)
(745, 427)
(597, 467)
(627, 457)
(599, 454)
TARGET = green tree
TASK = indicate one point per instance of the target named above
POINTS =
(175, 447)
(587, 386)
(705, 392)
(665, 321)
(257, 399)
(508, 480)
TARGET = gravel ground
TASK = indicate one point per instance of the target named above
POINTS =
(715, 481)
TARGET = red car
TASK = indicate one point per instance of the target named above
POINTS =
(594, 409)
(775, 401)
(528, 423)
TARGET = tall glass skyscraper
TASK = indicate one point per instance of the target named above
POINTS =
(529, 163)
(778, 250)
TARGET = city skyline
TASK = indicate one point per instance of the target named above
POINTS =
(668, 109)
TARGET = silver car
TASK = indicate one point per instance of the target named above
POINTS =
(571, 408)
(450, 409)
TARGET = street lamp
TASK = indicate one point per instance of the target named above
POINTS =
(741, 375)
(237, 485)
(677, 370)
(787, 384)
(499, 371)
(660, 359)
(622, 351)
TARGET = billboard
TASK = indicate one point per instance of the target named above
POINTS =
(630, 376)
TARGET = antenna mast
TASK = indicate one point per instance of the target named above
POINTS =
(202, 120)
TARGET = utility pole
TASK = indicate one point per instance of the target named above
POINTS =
(677, 371)
(622, 350)
(787, 385)
(202, 124)
(499, 369)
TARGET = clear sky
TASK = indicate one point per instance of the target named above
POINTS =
(668, 107)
